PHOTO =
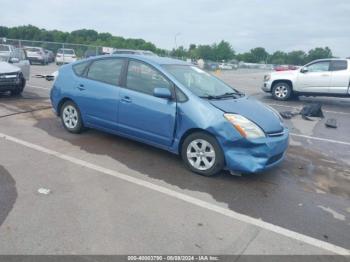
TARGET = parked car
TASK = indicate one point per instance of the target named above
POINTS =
(324, 77)
(14, 71)
(50, 56)
(172, 105)
(6, 50)
(210, 65)
(36, 55)
(227, 66)
(65, 56)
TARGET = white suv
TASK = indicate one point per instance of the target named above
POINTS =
(65, 56)
(327, 77)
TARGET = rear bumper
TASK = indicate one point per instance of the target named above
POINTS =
(256, 156)
(65, 60)
(36, 59)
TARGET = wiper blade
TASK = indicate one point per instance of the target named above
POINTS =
(226, 95)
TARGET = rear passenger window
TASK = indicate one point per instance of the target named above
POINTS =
(143, 78)
(339, 65)
(79, 68)
(106, 70)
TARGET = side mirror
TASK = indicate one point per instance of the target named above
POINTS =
(14, 60)
(162, 92)
(304, 70)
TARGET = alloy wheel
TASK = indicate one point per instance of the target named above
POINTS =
(70, 117)
(201, 154)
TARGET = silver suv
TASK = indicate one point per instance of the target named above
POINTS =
(14, 69)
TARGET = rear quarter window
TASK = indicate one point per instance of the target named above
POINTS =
(79, 69)
(106, 70)
(339, 65)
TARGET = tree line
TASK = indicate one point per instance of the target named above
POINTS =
(215, 52)
(224, 51)
(82, 36)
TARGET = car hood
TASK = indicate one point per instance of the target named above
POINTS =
(8, 68)
(252, 109)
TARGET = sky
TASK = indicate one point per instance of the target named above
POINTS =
(274, 24)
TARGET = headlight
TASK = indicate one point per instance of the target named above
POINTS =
(267, 78)
(244, 126)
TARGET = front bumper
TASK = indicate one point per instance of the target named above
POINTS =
(7, 84)
(255, 156)
(266, 86)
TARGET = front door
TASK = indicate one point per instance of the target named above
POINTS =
(142, 115)
(23, 63)
(315, 78)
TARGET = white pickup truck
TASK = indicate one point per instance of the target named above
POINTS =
(324, 77)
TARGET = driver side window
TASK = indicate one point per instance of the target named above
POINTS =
(319, 67)
(143, 78)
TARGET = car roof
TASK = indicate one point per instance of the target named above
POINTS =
(158, 60)
(329, 59)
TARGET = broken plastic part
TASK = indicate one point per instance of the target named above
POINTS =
(331, 122)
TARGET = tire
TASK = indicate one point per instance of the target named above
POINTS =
(19, 89)
(282, 91)
(71, 117)
(207, 161)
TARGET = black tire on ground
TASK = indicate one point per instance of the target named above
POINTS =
(70, 112)
(218, 159)
(282, 91)
(19, 89)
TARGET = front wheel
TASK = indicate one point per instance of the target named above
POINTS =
(71, 117)
(202, 154)
(282, 91)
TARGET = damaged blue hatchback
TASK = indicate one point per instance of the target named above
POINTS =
(172, 105)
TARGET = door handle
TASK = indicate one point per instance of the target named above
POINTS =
(126, 99)
(81, 87)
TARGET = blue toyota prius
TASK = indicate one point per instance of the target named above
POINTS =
(172, 105)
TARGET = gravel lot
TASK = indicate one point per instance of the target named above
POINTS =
(95, 208)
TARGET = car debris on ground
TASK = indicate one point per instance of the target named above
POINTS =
(311, 110)
(44, 191)
(331, 123)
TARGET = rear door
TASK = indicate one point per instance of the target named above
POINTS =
(316, 78)
(340, 77)
(142, 115)
(97, 91)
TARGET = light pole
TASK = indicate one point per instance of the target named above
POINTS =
(176, 35)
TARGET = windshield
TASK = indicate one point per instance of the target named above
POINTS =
(200, 82)
(33, 49)
(4, 48)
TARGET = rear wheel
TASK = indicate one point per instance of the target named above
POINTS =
(71, 117)
(202, 154)
(282, 91)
